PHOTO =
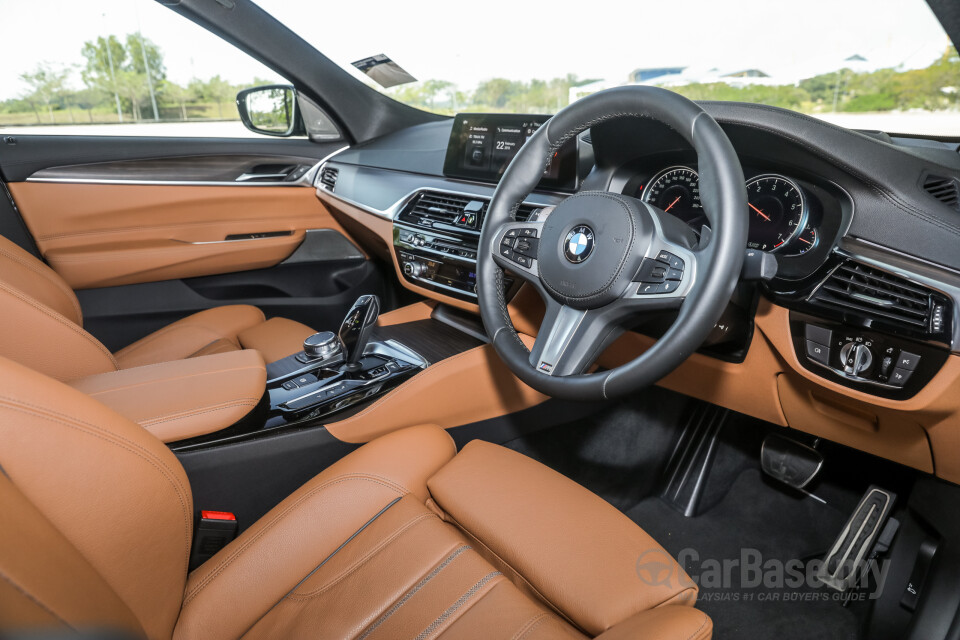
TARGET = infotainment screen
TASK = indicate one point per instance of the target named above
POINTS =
(483, 144)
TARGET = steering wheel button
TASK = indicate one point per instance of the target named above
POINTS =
(522, 260)
(668, 286)
(507, 242)
(647, 288)
(676, 263)
(526, 246)
(651, 271)
(512, 233)
(665, 256)
(506, 252)
(674, 274)
(528, 232)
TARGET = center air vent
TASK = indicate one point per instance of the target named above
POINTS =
(328, 177)
(432, 208)
(880, 297)
(943, 189)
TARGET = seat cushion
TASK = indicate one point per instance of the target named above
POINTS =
(362, 551)
(216, 330)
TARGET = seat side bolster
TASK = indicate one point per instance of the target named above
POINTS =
(190, 335)
(670, 622)
(583, 557)
(39, 337)
(276, 338)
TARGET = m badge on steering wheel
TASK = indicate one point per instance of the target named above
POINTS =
(578, 244)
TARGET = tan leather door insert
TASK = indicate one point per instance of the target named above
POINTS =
(97, 235)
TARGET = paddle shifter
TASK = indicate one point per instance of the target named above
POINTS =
(355, 330)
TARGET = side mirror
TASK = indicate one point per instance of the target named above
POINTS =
(271, 110)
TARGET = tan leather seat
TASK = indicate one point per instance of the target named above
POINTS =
(42, 327)
(403, 538)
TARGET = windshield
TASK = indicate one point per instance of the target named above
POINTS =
(865, 64)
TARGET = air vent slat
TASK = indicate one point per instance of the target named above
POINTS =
(328, 177)
(857, 288)
(946, 190)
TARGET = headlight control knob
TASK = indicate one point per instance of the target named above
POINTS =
(856, 358)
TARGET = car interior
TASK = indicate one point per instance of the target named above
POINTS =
(647, 367)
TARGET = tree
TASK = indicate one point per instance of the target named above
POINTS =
(216, 89)
(178, 95)
(47, 84)
(106, 57)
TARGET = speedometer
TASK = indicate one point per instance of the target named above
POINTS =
(778, 212)
(677, 191)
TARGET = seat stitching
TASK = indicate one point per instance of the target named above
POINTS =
(519, 575)
(132, 448)
(322, 563)
(225, 562)
(29, 596)
(530, 625)
(452, 609)
(201, 350)
(56, 281)
(73, 326)
(150, 339)
(412, 591)
(703, 623)
(198, 411)
(363, 560)
(43, 412)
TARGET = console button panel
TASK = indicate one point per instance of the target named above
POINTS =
(862, 359)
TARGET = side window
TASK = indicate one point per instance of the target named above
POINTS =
(120, 67)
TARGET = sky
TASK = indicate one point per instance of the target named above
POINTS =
(467, 42)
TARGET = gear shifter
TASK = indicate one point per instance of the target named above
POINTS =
(356, 327)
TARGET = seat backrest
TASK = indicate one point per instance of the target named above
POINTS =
(41, 322)
(96, 512)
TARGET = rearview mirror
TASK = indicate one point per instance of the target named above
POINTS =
(270, 110)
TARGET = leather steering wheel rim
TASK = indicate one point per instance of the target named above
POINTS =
(716, 262)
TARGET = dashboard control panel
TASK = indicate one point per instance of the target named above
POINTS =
(865, 360)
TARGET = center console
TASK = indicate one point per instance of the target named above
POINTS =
(435, 236)
(337, 370)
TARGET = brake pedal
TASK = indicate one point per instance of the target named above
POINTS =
(843, 563)
(792, 463)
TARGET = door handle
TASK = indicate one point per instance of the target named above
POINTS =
(249, 177)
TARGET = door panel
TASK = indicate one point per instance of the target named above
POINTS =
(97, 235)
(152, 230)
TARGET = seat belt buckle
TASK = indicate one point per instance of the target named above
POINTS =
(215, 529)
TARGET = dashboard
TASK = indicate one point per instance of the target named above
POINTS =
(859, 319)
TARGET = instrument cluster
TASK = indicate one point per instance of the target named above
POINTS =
(784, 216)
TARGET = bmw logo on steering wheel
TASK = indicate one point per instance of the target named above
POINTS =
(578, 245)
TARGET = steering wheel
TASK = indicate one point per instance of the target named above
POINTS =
(600, 260)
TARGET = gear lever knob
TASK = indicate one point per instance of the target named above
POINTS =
(356, 327)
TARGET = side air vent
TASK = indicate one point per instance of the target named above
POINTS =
(328, 177)
(946, 190)
(525, 211)
(432, 208)
(864, 291)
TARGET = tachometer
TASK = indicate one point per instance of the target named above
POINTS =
(778, 212)
(677, 191)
